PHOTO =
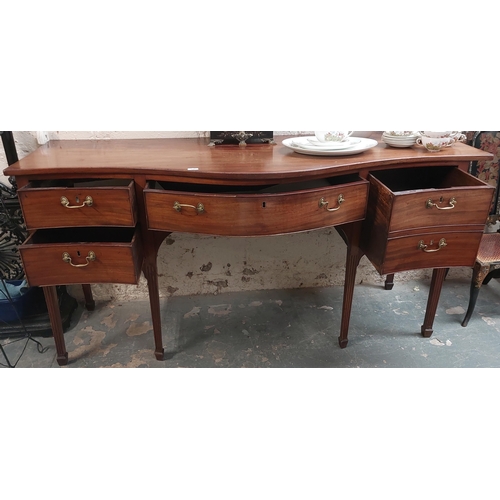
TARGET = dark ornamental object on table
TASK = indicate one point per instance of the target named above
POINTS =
(241, 138)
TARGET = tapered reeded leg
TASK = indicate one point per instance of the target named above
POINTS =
(352, 261)
(389, 281)
(350, 234)
(52, 302)
(480, 275)
(432, 301)
(151, 274)
(151, 241)
(89, 299)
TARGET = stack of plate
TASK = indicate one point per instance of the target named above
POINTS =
(311, 146)
(400, 139)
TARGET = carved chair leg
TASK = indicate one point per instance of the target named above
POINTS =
(89, 299)
(479, 273)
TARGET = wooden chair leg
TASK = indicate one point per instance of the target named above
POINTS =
(480, 272)
(488, 278)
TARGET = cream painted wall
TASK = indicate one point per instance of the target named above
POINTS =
(195, 264)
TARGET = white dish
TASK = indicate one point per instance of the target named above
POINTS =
(400, 134)
(398, 143)
(312, 143)
(359, 147)
(399, 137)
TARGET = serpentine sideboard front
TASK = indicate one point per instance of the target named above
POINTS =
(98, 211)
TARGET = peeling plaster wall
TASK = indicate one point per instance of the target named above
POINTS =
(190, 264)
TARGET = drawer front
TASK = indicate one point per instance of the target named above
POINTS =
(256, 214)
(431, 250)
(87, 262)
(428, 198)
(440, 207)
(48, 207)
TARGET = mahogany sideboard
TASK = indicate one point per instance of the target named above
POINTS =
(98, 211)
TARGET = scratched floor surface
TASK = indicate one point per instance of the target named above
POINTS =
(283, 328)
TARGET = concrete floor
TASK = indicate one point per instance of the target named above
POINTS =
(283, 328)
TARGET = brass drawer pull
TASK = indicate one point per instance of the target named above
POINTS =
(323, 203)
(422, 246)
(90, 257)
(452, 203)
(65, 202)
(199, 208)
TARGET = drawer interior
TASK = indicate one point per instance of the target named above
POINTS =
(410, 179)
(82, 235)
(76, 183)
(286, 187)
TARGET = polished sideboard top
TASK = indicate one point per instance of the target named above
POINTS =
(192, 160)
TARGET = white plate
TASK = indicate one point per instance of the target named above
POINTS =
(359, 147)
(400, 145)
(398, 137)
(322, 147)
(408, 134)
(313, 142)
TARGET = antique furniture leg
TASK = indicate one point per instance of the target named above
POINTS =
(479, 274)
(52, 301)
(351, 234)
(89, 300)
(151, 274)
(432, 300)
(150, 270)
(152, 241)
(389, 282)
(488, 278)
(482, 274)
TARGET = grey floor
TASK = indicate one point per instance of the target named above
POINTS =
(281, 329)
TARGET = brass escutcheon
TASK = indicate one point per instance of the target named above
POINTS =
(323, 203)
(90, 257)
(199, 208)
(88, 202)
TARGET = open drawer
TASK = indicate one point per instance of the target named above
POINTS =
(255, 210)
(83, 255)
(403, 199)
(70, 203)
(406, 206)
